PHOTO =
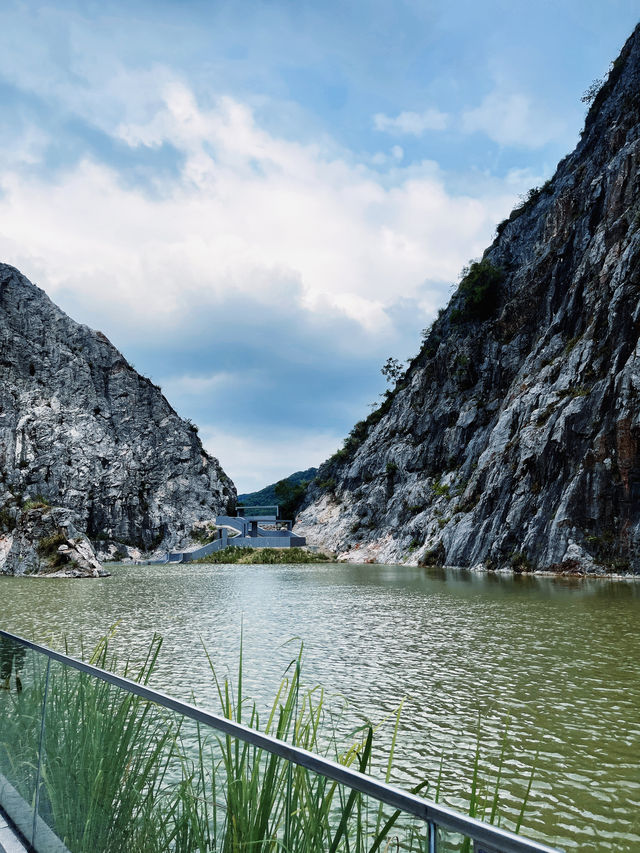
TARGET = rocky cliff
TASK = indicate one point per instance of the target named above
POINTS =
(513, 439)
(47, 541)
(82, 429)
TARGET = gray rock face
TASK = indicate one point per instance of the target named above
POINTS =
(80, 427)
(46, 541)
(514, 437)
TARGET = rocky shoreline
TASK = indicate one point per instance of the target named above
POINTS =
(47, 542)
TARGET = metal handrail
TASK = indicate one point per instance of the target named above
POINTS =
(426, 810)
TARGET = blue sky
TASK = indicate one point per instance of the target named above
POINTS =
(258, 202)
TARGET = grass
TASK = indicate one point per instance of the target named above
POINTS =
(439, 489)
(109, 801)
(121, 773)
(484, 798)
(38, 502)
(269, 556)
(204, 534)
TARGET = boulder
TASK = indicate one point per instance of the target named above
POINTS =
(46, 541)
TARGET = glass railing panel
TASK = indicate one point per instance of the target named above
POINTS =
(107, 770)
(23, 678)
(235, 796)
(109, 761)
(452, 842)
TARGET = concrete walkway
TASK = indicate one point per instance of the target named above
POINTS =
(9, 841)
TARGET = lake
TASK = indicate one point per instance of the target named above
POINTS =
(555, 660)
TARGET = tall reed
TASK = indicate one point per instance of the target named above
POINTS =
(105, 754)
(243, 798)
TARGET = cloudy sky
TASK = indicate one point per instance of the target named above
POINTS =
(258, 202)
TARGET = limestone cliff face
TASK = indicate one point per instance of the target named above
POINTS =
(514, 437)
(80, 427)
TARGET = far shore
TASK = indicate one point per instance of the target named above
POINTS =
(283, 556)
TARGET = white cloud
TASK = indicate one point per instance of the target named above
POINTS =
(250, 214)
(254, 461)
(512, 118)
(411, 123)
(189, 385)
(249, 222)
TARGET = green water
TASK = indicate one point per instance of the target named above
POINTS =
(560, 659)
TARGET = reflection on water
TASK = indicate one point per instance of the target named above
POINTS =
(560, 658)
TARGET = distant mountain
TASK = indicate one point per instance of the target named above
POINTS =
(513, 439)
(284, 493)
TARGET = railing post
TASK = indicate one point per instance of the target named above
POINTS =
(433, 836)
(36, 806)
(287, 828)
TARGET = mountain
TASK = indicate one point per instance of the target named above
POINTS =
(289, 493)
(268, 496)
(513, 439)
(81, 429)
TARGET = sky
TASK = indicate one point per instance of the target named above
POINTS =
(260, 202)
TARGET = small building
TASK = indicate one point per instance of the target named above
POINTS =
(250, 527)
(262, 525)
